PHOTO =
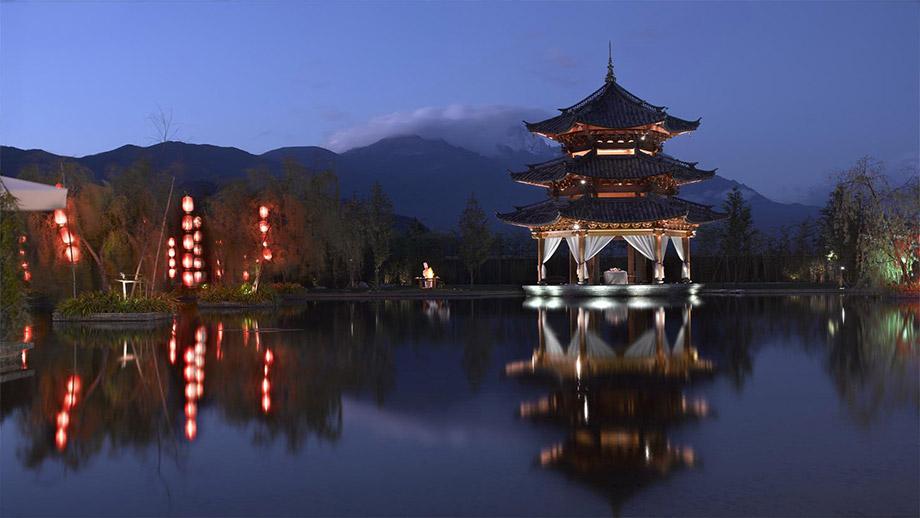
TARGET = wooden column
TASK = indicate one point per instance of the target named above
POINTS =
(659, 261)
(686, 240)
(631, 265)
(539, 260)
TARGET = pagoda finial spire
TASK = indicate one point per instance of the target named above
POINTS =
(610, 77)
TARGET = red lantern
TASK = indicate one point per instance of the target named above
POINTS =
(191, 430)
(197, 250)
(72, 254)
(171, 242)
(172, 273)
(187, 261)
(187, 242)
(188, 279)
(263, 226)
(27, 276)
(60, 438)
(187, 222)
(245, 276)
(267, 254)
(66, 237)
(266, 403)
(197, 222)
(172, 262)
(60, 217)
(263, 212)
(188, 204)
(22, 239)
(197, 263)
(197, 236)
(171, 252)
(198, 276)
(269, 357)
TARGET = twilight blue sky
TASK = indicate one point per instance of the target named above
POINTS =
(788, 92)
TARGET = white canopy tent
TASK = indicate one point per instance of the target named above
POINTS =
(32, 196)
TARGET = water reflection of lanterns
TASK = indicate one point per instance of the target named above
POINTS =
(263, 226)
(267, 361)
(188, 204)
(267, 254)
(62, 419)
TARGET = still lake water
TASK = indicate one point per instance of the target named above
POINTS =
(706, 406)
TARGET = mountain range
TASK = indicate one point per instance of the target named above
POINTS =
(429, 179)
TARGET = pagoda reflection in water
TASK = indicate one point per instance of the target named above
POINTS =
(619, 388)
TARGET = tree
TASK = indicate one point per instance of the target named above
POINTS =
(475, 237)
(870, 228)
(164, 129)
(379, 228)
(737, 233)
(12, 288)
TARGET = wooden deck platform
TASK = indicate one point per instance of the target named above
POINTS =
(613, 290)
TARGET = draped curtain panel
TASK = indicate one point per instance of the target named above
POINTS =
(572, 241)
(645, 245)
(550, 244)
(659, 267)
(679, 248)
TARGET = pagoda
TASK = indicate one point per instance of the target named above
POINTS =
(613, 181)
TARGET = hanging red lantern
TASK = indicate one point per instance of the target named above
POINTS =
(72, 254)
(172, 262)
(197, 250)
(267, 254)
(172, 273)
(263, 226)
(187, 222)
(263, 212)
(27, 276)
(60, 217)
(245, 276)
(188, 204)
(187, 242)
(171, 242)
(198, 276)
(197, 236)
(188, 279)
(171, 252)
(197, 263)
(22, 239)
(197, 222)
(66, 237)
(187, 261)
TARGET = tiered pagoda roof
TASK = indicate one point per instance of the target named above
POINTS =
(612, 107)
(637, 166)
(639, 209)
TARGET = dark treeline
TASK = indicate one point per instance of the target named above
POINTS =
(867, 235)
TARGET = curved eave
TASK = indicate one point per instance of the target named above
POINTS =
(633, 167)
(698, 213)
(534, 215)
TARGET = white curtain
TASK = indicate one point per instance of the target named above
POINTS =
(550, 244)
(593, 246)
(645, 245)
(679, 248)
(659, 267)
(572, 241)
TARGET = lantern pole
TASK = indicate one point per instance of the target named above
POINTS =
(73, 266)
(156, 258)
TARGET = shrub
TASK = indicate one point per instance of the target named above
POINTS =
(243, 294)
(111, 302)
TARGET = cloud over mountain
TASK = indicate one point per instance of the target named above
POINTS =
(481, 128)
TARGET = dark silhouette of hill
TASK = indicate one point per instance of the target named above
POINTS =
(429, 179)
